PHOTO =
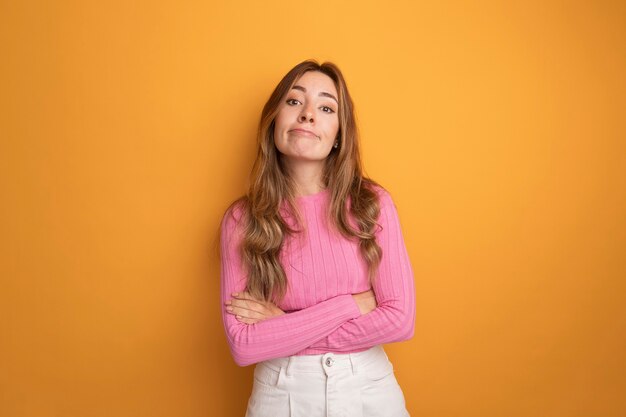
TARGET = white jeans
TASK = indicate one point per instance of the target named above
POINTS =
(330, 385)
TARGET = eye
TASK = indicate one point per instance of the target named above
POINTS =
(292, 101)
(327, 109)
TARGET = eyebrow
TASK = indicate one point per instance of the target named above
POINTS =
(322, 94)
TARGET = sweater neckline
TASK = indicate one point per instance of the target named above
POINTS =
(320, 195)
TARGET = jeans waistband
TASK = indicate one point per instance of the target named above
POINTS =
(320, 363)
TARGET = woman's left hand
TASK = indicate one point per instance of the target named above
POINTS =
(249, 310)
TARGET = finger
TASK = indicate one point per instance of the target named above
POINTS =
(246, 320)
(248, 304)
(265, 307)
(250, 314)
(245, 296)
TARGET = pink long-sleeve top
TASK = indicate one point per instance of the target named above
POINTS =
(323, 270)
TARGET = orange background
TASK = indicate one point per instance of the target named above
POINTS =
(128, 127)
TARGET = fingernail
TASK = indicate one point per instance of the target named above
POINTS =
(229, 308)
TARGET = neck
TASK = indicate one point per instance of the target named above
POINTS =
(307, 177)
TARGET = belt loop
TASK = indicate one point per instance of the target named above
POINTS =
(353, 362)
(288, 369)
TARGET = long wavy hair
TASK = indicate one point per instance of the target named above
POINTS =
(271, 193)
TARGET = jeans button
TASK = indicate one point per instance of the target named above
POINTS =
(329, 361)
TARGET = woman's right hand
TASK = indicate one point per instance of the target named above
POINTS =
(366, 301)
(249, 310)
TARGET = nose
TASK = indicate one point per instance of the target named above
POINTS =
(306, 115)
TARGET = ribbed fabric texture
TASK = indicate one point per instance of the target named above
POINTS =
(323, 270)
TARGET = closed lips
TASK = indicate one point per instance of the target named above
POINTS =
(304, 132)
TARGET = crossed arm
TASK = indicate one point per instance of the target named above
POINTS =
(249, 310)
(258, 331)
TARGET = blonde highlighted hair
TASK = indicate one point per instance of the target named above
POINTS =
(271, 190)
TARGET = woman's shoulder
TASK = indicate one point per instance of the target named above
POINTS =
(235, 212)
(383, 196)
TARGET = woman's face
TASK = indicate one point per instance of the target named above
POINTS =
(307, 123)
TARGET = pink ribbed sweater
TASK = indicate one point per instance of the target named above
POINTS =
(323, 269)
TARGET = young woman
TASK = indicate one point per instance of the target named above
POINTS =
(315, 274)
